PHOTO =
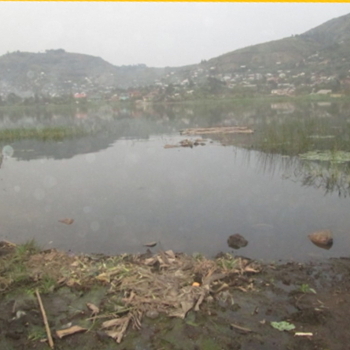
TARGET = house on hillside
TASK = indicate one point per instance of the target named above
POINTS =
(324, 92)
(79, 95)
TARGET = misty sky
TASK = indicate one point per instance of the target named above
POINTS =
(157, 34)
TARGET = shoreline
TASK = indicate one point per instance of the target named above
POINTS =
(168, 300)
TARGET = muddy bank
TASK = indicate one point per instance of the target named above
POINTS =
(167, 300)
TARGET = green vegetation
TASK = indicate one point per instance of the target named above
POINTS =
(13, 266)
(45, 134)
(327, 156)
(305, 288)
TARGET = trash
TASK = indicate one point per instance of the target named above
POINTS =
(303, 334)
(150, 245)
(283, 326)
(68, 331)
(322, 239)
(237, 241)
(67, 221)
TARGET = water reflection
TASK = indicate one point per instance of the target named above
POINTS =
(123, 188)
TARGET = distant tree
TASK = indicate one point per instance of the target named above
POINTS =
(215, 85)
(13, 99)
(169, 89)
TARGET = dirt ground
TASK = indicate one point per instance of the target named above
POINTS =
(171, 301)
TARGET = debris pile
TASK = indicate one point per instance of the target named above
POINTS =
(138, 286)
(187, 143)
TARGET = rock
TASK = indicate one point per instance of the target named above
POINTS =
(322, 239)
(153, 314)
(236, 241)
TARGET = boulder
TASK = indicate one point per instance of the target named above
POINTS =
(322, 239)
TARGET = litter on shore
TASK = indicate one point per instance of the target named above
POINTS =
(143, 285)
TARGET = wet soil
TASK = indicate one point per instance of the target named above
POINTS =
(313, 296)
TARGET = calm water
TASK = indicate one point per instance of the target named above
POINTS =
(124, 189)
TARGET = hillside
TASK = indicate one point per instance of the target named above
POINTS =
(329, 40)
(322, 53)
(58, 72)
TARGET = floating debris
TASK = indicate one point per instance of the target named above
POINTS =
(237, 241)
(67, 221)
(187, 143)
(150, 245)
(218, 130)
(322, 239)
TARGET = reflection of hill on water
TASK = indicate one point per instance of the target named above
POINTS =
(100, 136)
(287, 128)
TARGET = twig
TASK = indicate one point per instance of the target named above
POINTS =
(48, 331)
(240, 328)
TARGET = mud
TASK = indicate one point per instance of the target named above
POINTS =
(313, 296)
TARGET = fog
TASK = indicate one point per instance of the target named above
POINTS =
(156, 34)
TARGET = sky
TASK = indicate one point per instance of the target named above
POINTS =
(157, 34)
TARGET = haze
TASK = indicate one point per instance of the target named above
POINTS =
(156, 34)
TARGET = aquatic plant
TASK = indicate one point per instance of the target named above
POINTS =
(327, 156)
(47, 133)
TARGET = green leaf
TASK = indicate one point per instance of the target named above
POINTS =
(283, 326)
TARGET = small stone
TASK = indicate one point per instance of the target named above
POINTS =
(236, 241)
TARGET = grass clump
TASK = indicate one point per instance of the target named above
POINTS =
(44, 134)
(13, 264)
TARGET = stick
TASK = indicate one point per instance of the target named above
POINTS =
(48, 332)
(243, 329)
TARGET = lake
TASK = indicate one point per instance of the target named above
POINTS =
(124, 189)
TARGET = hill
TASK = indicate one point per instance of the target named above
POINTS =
(321, 54)
(327, 41)
(57, 72)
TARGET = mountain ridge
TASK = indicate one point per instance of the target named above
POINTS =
(324, 49)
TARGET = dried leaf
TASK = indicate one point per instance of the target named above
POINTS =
(113, 323)
(67, 221)
(250, 269)
(150, 261)
(95, 310)
(103, 277)
(72, 330)
(170, 254)
(199, 302)
(118, 334)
